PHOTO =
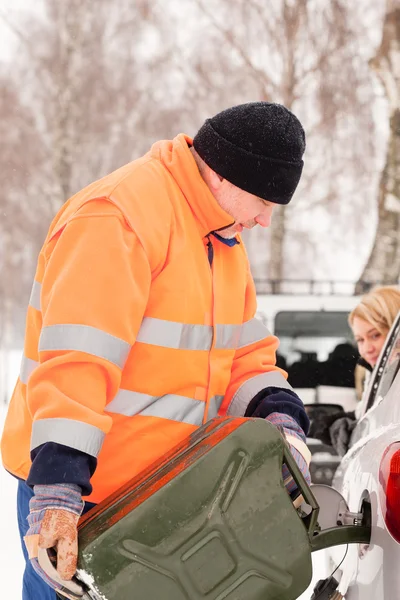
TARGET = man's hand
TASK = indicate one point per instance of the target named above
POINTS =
(53, 520)
(296, 439)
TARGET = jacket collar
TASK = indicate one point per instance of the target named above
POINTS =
(176, 157)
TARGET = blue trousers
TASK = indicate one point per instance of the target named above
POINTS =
(33, 587)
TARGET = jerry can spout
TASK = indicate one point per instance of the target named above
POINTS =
(342, 534)
(326, 515)
(336, 524)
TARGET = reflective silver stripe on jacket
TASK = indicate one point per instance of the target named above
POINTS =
(171, 334)
(227, 336)
(253, 331)
(27, 367)
(214, 406)
(34, 299)
(83, 338)
(170, 406)
(251, 387)
(75, 434)
(240, 336)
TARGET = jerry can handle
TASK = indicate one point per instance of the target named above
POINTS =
(306, 495)
(70, 589)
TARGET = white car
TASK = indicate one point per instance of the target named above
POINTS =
(368, 478)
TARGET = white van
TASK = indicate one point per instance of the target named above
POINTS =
(314, 338)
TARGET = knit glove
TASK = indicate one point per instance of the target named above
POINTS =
(53, 519)
(296, 439)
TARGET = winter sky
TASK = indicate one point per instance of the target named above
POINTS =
(8, 10)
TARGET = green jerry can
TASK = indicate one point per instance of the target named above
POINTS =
(212, 521)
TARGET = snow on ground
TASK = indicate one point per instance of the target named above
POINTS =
(11, 559)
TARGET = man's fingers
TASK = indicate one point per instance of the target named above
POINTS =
(67, 556)
(48, 531)
(59, 530)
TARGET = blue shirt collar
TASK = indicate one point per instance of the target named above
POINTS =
(227, 241)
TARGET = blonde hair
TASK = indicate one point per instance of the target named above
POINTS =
(378, 307)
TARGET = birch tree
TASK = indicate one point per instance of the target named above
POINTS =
(383, 264)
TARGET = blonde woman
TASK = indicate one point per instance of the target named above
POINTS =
(370, 322)
(372, 319)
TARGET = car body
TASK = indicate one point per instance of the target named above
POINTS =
(369, 476)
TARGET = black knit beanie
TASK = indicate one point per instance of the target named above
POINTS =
(256, 146)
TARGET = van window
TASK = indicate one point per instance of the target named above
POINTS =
(316, 348)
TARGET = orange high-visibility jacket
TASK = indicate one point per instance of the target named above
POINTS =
(132, 339)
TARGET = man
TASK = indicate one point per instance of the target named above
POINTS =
(141, 322)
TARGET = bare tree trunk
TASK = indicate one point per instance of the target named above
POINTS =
(276, 262)
(383, 264)
(291, 18)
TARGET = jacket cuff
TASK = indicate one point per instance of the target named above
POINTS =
(55, 463)
(277, 400)
(62, 496)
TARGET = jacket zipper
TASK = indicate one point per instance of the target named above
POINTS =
(210, 251)
(210, 255)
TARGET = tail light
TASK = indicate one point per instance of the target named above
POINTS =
(389, 476)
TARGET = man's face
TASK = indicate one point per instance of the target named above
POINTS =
(246, 210)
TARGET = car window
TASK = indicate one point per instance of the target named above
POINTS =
(388, 366)
(316, 348)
